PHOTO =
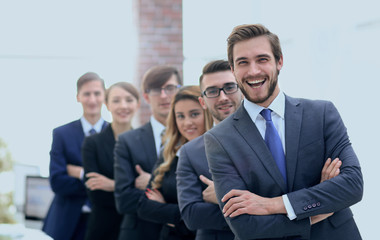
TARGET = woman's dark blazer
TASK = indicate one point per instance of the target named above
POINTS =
(168, 212)
(97, 154)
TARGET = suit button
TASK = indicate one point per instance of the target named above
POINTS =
(318, 204)
(305, 208)
(314, 205)
(309, 206)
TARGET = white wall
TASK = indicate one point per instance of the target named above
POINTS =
(45, 46)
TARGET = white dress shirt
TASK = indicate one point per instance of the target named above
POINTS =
(88, 126)
(278, 118)
(158, 128)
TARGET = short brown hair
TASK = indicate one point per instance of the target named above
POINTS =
(248, 31)
(88, 77)
(213, 67)
(127, 87)
(157, 76)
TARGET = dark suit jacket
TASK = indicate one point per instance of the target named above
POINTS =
(70, 193)
(132, 148)
(168, 212)
(199, 215)
(239, 159)
(97, 154)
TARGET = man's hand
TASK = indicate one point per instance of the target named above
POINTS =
(330, 170)
(74, 171)
(154, 195)
(209, 193)
(244, 202)
(143, 179)
(97, 181)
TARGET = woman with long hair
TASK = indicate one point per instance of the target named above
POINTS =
(187, 120)
(122, 100)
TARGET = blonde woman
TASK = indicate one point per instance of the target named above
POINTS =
(187, 120)
(122, 100)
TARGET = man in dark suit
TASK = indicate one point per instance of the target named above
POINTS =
(67, 216)
(266, 158)
(196, 194)
(136, 152)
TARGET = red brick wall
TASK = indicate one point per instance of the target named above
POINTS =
(159, 27)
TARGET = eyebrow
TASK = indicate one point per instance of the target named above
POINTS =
(227, 83)
(263, 55)
(258, 56)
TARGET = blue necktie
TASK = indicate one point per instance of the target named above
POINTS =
(92, 131)
(273, 141)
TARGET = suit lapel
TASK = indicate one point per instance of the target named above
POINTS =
(105, 124)
(147, 140)
(293, 121)
(78, 131)
(248, 130)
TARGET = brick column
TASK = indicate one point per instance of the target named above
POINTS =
(159, 28)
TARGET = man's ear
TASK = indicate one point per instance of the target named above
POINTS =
(202, 103)
(280, 63)
(146, 97)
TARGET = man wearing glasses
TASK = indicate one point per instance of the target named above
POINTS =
(196, 195)
(136, 152)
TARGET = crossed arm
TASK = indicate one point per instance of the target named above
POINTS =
(238, 202)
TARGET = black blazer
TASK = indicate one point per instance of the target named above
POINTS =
(314, 131)
(97, 154)
(166, 213)
(132, 148)
(205, 217)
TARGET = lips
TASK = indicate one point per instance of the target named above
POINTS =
(224, 107)
(165, 105)
(256, 83)
(190, 131)
(124, 114)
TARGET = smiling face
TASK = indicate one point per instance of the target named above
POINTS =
(225, 104)
(160, 104)
(256, 70)
(189, 117)
(91, 96)
(122, 105)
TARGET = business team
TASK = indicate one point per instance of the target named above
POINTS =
(272, 167)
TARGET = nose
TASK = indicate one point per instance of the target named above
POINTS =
(188, 121)
(124, 104)
(163, 94)
(222, 95)
(92, 97)
(253, 69)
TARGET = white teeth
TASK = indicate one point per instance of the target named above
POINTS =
(255, 81)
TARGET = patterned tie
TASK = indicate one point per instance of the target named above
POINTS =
(273, 141)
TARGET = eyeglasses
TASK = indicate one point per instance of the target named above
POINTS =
(169, 90)
(213, 92)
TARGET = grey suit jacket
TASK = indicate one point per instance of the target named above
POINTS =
(239, 159)
(198, 215)
(133, 147)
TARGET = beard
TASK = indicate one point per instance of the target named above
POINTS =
(220, 116)
(257, 99)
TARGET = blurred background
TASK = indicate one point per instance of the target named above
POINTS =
(331, 51)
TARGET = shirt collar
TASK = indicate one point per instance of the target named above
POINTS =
(157, 127)
(87, 126)
(277, 106)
